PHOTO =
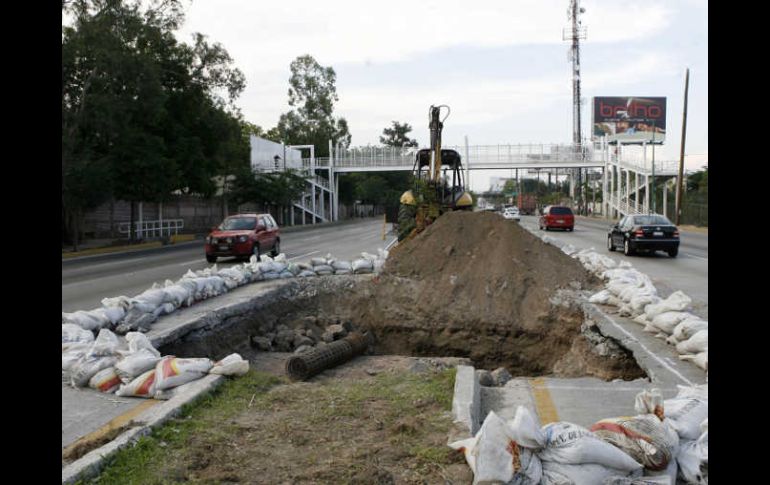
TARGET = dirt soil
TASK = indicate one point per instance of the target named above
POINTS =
(476, 285)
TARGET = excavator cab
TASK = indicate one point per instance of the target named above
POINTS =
(439, 184)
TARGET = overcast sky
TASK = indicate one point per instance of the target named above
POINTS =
(501, 65)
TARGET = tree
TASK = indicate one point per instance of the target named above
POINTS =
(397, 136)
(312, 94)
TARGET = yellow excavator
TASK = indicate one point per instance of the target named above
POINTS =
(432, 194)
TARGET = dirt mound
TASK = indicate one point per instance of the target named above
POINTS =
(487, 266)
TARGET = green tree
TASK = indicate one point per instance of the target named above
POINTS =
(312, 94)
(397, 136)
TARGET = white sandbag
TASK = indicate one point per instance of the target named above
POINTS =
(643, 480)
(342, 265)
(85, 320)
(153, 296)
(555, 473)
(601, 297)
(644, 438)
(689, 327)
(571, 444)
(676, 302)
(686, 412)
(694, 345)
(318, 261)
(270, 276)
(669, 474)
(164, 309)
(667, 321)
(525, 429)
(493, 458)
(71, 356)
(569, 249)
(701, 359)
(382, 253)
(642, 319)
(641, 300)
(286, 274)
(138, 341)
(106, 343)
(142, 386)
(378, 265)
(362, 265)
(105, 380)
(116, 302)
(293, 268)
(342, 271)
(306, 273)
(74, 334)
(87, 366)
(232, 365)
(281, 258)
(323, 269)
(368, 256)
(171, 371)
(304, 266)
(135, 364)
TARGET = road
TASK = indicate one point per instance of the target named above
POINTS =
(86, 281)
(687, 272)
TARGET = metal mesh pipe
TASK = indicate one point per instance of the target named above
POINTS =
(303, 366)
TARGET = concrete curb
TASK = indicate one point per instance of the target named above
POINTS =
(92, 463)
(466, 402)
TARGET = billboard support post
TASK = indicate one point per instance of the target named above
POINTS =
(679, 180)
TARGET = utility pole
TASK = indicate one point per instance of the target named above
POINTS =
(681, 150)
(574, 34)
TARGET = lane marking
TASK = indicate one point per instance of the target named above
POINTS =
(546, 409)
(696, 257)
(650, 353)
(302, 255)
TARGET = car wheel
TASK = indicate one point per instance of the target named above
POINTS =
(627, 248)
(276, 248)
(673, 252)
(610, 246)
(211, 259)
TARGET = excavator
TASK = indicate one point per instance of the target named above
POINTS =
(432, 193)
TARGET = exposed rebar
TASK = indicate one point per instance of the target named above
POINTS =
(302, 366)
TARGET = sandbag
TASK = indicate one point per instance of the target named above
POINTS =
(686, 412)
(138, 341)
(323, 269)
(689, 327)
(135, 364)
(105, 380)
(571, 444)
(136, 320)
(117, 302)
(306, 273)
(362, 266)
(621, 480)
(113, 314)
(318, 261)
(74, 334)
(667, 321)
(173, 372)
(676, 302)
(342, 271)
(691, 461)
(71, 356)
(270, 276)
(142, 386)
(555, 473)
(164, 309)
(694, 345)
(342, 265)
(84, 320)
(87, 366)
(106, 343)
(293, 268)
(645, 438)
(701, 359)
(232, 365)
(600, 297)
(304, 266)
(286, 274)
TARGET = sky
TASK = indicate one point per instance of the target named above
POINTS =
(500, 65)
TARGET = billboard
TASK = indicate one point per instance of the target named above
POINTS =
(629, 119)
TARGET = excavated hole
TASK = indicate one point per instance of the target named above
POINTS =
(550, 338)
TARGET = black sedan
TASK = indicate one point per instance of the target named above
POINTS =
(644, 233)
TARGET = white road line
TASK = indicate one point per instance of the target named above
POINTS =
(662, 362)
(696, 257)
(302, 255)
(198, 260)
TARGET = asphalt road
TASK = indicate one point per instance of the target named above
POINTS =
(86, 281)
(687, 272)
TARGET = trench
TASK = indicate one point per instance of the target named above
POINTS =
(552, 340)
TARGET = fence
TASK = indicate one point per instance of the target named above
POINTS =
(153, 229)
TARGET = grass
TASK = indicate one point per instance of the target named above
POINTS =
(252, 421)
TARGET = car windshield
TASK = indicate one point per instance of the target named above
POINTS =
(651, 220)
(561, 211)
(239, 224)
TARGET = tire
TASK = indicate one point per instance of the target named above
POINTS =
(211, 259)
(276, 248)
(610, 245)
(570, 229)
(627, 248)
(673, 252)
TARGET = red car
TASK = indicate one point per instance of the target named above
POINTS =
(557, 216)
(242, 235)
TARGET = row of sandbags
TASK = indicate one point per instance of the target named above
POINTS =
(123, 314)
(132, 367)
(666, 440)
(636, 297)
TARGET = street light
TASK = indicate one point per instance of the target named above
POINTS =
(654, 205)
